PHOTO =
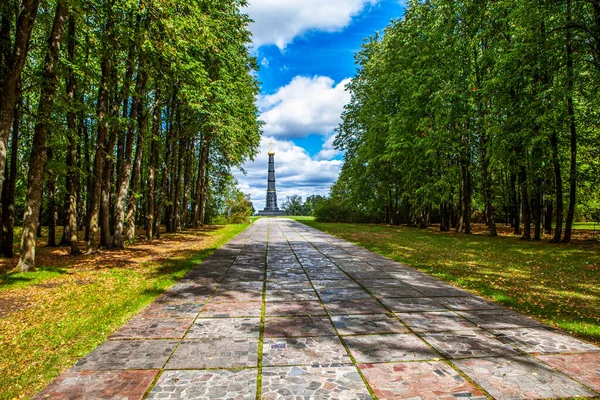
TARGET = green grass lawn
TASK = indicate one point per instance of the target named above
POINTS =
(587, 225)
(558, 284)
(300, 218)
(59, 314)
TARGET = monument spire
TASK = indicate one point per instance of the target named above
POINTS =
(271, 208)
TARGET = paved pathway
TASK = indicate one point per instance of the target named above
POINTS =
(284, 311)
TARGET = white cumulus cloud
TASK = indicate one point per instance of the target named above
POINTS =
(304, 106)
(296, 173)
(328, 151)
(278, 22)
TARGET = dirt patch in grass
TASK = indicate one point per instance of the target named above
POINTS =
(56, 315)
(12, 303)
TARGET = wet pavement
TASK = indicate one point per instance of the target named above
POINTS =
(284, 311)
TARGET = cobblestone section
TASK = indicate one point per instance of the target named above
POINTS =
(287, 312)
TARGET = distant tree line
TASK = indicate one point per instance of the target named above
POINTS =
(294, 205)
(116, 114)
(470, 109)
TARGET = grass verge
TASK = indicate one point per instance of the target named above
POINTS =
(558, 284)
(55, 316)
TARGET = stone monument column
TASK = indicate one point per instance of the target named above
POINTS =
(271, 206)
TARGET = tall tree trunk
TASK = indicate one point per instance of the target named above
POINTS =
(549, 207)
(52, 212)
(89, 176)
(125, 173)
(9, 91)
(165, 177)
(72, 170)
(177, 191)
(8, 195)
(537, 210)
(516, 206)
(525, 203)
(464, 223)
(572, 131)
(201, 180)
(105, 199)
(170, 211)
(487, 187)
(106, 67)
(186, 182)
(38, 149)
(156, 121)
(142, 116)
(198, 189)
(204, 198)
(203, 172)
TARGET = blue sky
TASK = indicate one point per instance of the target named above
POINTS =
(306, 50)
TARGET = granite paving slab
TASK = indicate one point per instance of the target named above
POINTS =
(327, 350)
(287, 275)
(323, 276)
(286, 308)
(419, 380)
(244, 276)
(498, 319)
(369, 275)
(362, 306)
(388, 348)
(336, 284)
(99, 385)
(382, 283)
(231, 309)
(215, 353)
(323, 382)
(466, 303)
(468, 344)
(329, 295)
(584, 368)
(214, 328)
(298, 326)
(200, 280)
(182, 298)
(233, 295)
(395, 291)
(273, 285)
(436, 322)
(543, 340)
(367, 324)
(191, 289)
(439, 290)
(291, 295)
(412, 304)
(158, 310)
(127, 354)
(153, 328)
(520, 378)
(212, 384)
(236, 285)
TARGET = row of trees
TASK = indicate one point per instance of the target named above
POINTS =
(293, 205)
(471, 108)
(120, 113)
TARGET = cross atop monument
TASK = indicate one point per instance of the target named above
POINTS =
(271, 152)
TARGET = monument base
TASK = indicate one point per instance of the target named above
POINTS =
(271, 212)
